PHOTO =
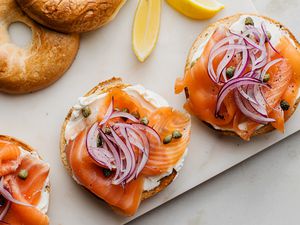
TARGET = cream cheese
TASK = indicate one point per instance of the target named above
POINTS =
(149, 99)
(239, 26)
(44, 201)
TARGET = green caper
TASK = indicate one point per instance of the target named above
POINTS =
(167, 139)
(106, 172)
(284, 105)
(266, 77)
(99, 142)
(249, 21)
(23, 174)
(176, 134)
(269, 35)
(144, 121)
(136, 114)
(230, 71)
(86, 111)
(125, 110)
(107, 130)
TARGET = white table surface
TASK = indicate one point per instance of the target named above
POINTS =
(264, 190)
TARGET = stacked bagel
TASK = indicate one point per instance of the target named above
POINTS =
(55, 40)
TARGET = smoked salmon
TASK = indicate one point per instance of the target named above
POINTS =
(116, 150)
(26, 189)
(242, 81)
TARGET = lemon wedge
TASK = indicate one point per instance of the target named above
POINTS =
(197, 9)
(146, 28)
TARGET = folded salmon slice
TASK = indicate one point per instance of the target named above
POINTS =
(284, 82)
(28, 190)
(161, 158)
(9, 157)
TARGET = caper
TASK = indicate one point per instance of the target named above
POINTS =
(269, 35)
(106, 172)
(107, 130)
(176, 134)
(86, 111)
(99, 142)
(284, 105)
(125, 110)
(230, 71)
(167, 139)
(136, 114)
(144, 121)
(23, 174)
(266, 77)
(249, 21)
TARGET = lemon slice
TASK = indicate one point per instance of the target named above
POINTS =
(146, 28)
(197, 9)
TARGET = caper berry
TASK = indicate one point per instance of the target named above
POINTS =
(167, 139)
(144, 121)
(23, 174)
(249, 21)
(176, 134)
(106, 172)
(86, 111)
(284, 105)
(266, 77)
(230, 71)
(125, 110)
(107, 130)
(136, 114)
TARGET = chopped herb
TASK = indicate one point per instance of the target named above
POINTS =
(23, 174)
(106, 172)
(86, 111)
(167, 139)
(266, 78)
(176, 134)
(284, 105)
(144, 121)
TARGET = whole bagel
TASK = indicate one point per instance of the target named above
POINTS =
(72, 16)
(41, 63)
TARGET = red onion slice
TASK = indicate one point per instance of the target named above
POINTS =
(108, 112)
(124, 115)
(5, 210)
(269, 65)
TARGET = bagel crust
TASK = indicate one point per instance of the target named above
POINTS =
(41, 63)
(72, 16)
(227, 22)
(99, 89)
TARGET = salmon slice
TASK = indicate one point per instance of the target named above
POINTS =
(284, 82)
(9, 157)
(91, 176)
(162, 157)
(27, 191)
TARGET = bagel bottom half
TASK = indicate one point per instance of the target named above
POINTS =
(99, 89)
(227, 22)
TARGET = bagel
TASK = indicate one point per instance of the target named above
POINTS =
(72, 16)
(41, 63)
(100, 89)
(201, 40)
(43, 205)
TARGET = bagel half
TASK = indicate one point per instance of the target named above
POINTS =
(38, 65)
(227, 22)
(28, 148)
(72, 16)
(99, 89)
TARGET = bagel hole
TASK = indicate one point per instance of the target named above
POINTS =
(20, 34)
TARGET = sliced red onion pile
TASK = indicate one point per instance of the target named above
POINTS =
(124, 149)
(9, 199)
(247, 81)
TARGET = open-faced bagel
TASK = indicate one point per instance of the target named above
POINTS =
(227, 22)
(41, 63)
(72, 16)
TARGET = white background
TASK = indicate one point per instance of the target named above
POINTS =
(264, 190)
